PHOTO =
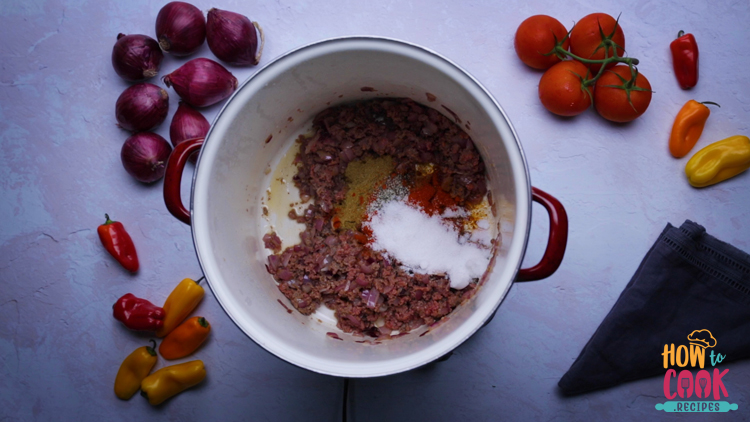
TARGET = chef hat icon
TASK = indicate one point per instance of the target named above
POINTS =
(702, 338)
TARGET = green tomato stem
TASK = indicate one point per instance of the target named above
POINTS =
(606, 61)
(630, 61)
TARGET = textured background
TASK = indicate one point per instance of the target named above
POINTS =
(60, 172)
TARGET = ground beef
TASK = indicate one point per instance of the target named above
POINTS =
(271, 241)
(336, 267)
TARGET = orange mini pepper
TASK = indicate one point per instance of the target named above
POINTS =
(172, 380)
(180, 303)
(688, 127)
(719, 161)
(185, 339)
(133, 370)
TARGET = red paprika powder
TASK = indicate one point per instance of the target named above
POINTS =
(430, 196)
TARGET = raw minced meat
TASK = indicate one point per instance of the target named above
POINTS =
(370, 293)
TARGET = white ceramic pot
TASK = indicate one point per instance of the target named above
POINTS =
(231, 178)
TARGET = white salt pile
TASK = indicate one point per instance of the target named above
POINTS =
(425, 245)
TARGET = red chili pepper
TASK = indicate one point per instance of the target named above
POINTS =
(118, 243)
(685, 59)
(138, 314)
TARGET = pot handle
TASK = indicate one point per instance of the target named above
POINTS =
(173, 177)
(558, 238)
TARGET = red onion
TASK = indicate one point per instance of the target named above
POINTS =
(325, 264)
(136, 57)
(422, 278)
(354, 320)
(429, 128)
(180, 28)
(304, 237)
(324, 156)
(142, 107)
(347, 155)
(361, 280)
(189, 123)
(202, 82)
(284, 274)
(367, 268)
(302, 303)
(273, 263)
(144, 156)
(286, 256)
(331, 241)
(372, 298)
(232, 38)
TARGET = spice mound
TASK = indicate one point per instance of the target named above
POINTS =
(396, 231)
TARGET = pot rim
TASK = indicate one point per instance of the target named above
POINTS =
(474, 80)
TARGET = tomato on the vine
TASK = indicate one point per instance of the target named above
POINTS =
(537, 36)
(617, 98)
(586, 38)
(561, 89)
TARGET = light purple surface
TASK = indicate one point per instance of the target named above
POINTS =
(60, 172)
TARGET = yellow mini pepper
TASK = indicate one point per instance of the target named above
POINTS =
(688, 127)
(185, 339)
(172, 380)
(180, 303)
(719, 161)
(133, 370)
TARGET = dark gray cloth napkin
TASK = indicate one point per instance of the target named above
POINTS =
(689, 280)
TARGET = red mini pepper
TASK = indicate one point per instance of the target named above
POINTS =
(118, 243)
(685, 59)
(138, 314)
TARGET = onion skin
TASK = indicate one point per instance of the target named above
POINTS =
(187, 123)
(232, 38)
(144, 156)
(202, 82)
(136, 57)
(142, 107)
(180, 28)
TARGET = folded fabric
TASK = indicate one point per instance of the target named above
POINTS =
(688, 281)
